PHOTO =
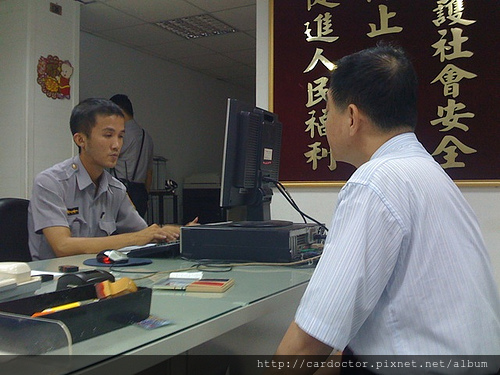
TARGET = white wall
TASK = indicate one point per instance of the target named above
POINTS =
(184, 111)
(13, 125)
(34, 130)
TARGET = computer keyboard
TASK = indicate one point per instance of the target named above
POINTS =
(159, 250)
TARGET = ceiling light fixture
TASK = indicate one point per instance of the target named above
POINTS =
(199, 26)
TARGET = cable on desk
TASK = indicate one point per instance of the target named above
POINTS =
(206, 266)
(148, 273)
(217, 266)
(117, 268)
(281, 188)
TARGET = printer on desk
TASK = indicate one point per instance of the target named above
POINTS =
(16, 281)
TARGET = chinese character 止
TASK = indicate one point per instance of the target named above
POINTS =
(326, 3)
(449, 118)
(324, 28)
(318, 56)
(451, 151)
(450, 77)
(318, 93)
(384, 23)
(455, 45)
(451, 10)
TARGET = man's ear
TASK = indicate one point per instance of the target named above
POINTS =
(355, 118)
(79, 139)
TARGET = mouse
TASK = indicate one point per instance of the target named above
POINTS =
(111, 257)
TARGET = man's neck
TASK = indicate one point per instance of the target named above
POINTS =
(374, 141)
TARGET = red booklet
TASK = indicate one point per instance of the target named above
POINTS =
(190, 285)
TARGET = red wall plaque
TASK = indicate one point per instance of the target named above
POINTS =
(452, 45)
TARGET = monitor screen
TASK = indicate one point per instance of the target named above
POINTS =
(251, 159)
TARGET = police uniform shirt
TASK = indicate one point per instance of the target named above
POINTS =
(64, 195)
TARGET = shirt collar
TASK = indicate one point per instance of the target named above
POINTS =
(82, 176)
(84, 180)
(395, 143)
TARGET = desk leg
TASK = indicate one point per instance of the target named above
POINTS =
(161, 220)
(176, 217)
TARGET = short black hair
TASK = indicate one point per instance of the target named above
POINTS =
(382, 82)
(83, 116)
(124, 103)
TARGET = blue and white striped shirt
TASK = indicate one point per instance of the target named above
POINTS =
(404, 269)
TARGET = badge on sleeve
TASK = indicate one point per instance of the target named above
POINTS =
(73, 211)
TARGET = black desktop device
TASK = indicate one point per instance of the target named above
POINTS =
(232, 241)
(250, 169)
(159, 250)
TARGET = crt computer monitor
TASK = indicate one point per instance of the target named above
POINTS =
(251, 158)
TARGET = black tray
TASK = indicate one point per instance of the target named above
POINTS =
(89, 320)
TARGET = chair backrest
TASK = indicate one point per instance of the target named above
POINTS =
(14, 230)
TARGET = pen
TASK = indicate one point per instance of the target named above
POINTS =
(66, 306)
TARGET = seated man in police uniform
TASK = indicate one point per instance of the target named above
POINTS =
(77, 207)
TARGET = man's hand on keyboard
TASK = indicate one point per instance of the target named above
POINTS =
(171, 232)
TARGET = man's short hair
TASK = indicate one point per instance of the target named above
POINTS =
(124, 103)
(381, 82)
(83, 116)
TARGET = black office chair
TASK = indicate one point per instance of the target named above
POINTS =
(14, 230)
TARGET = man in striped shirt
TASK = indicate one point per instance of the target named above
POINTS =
(404, 270)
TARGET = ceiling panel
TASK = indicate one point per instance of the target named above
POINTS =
(240, 18)
(175, 50)
(216, 5)
(96, 17)
(246, 57)
(230, 57)
(227, 43)
(142, 35)
(156, 10)
(204, 62)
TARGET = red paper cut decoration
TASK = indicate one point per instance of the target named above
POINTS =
(54, 77)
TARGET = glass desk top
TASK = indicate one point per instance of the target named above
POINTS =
(196, 317)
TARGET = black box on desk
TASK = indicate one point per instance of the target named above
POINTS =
(88, 320)
(225, 241)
